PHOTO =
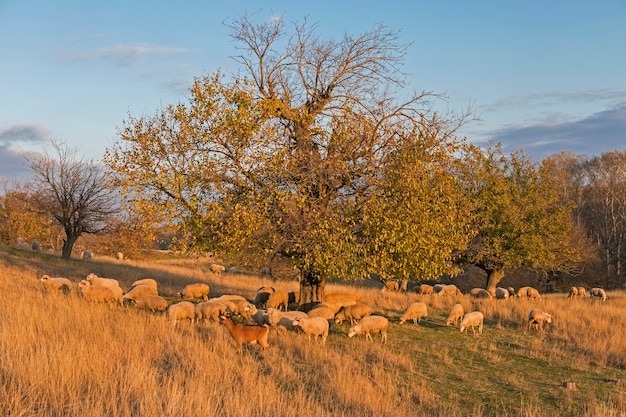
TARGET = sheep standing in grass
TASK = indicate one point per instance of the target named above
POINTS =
(479, 293)
(217, 269)
(210, 311)
(51, 285)
(93, 279)
(86, 255)
(353, 313)
(598, 293)
(119, 256)
(391, 285)
(184, 310)
(140, 291)
(415, 312)
(197, 290)
(537, 317)
(323, 312)
(473, 319)
(284, 319)
(258, 316)
(502, 293)
(368, 325)
(423, 289)
(573, 292)
(146, 281)
(456, 314)
(313, 326)
(279, 300)
(449, 290)
(100, 293)
(152, 303)
(582, 293)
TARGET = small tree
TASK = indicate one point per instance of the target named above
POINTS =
(72, 191)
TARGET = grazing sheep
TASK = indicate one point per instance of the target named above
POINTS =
(414, 312)
(582, 292)
(352, 313)
(262, 294)
(347, 298)
(522, 292)
(93, 279)
(249, 334)
(99, 293)
(316, 326)
(146, 281)
(86, 255)
(230, 297)
(119, 256)
(56, 284)
(19, 242)
(479, 293)
(197, 290)
(322, 311)
(449, 290)
(423, 289)
(391, 285)
(152, 303)
(284, 319)
(184, 310)
(473, 319)
(140, 291)
(456, 314)
(278, 299)
(511, 292)
(25, 246)
(437, 288)
(36, 246)
(217, 269)
(368, 325)
(573, 292)
(502, 293)
(537, 317)
(258, 316)
(210, 310)
(533, 293)
(598, 293)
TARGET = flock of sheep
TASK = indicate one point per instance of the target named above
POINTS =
(270, 307)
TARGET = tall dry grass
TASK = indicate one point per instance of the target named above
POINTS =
(63, 356)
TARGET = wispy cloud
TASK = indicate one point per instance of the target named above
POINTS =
(603, 131)
(13, 140)
(123, 55)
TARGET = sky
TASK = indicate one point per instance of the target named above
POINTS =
(541, 76)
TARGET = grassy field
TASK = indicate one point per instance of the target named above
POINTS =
(63, 356)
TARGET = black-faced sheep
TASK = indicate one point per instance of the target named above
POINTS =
(368, 325)
(59, 284)
(152, 303)
(537, 317)
(242, 333)
(197, 290)
(313, 326)
(353, 313)
(456, 314)
(184, 310)
(473, 319)
(415, 312)
(598, 293)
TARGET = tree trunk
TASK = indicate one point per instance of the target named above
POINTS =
(494, 277)
(68, 245)
(311, 288)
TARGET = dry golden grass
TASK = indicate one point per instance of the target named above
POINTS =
(63, 356)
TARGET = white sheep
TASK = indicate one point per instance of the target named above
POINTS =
(184, 310)
(258, 316)
(86, 255)
(197, 290)
(279, 299)
(19, 242)
(152, 303)
(370, 324)
(423, 289)
(119, 256)
(25, 246)
(146, 281)
(537, 317)
(322, 311)
(456, 314)
(140, 291)
(598, 293)
(210, 310)
(415, 312)
(56, 284)
(93, 279)
(99, 292)
(582, 292)
(391, 285)
(284, 319)
(313, 326)
(353, 313)
(449, 290)
(473, 319)
(502, 293)
(217, 269)
(573, 292)
(479, 293)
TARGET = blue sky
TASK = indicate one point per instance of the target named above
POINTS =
(544, 76)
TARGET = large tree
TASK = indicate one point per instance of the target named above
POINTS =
(520, 219)
(282, 161)
(73, 191)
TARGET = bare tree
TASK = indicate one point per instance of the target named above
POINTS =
(73, 191)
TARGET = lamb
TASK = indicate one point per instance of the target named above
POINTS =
(537, 317)
(316, 326)
(197, 290)
(93, 279)
(152, 303)
(414, 312)
(284, 319)
(184, 310)
(369, 324)
(573, 292)
(473, 319)
(99, 292)
(352, 313)
(56, 284)
(423, 289)
(456, 314)
(278, 299)
(145, 281)
(598, 293)
(249, 334)
(210, 310)
(217, 269)
(323, 312)
(502, 293)
(140, 291)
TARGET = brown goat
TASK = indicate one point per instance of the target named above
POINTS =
(243, 333)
